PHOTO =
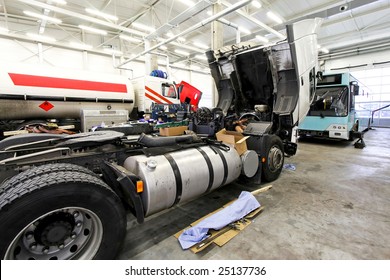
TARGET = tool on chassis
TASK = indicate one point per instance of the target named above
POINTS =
(66, 197)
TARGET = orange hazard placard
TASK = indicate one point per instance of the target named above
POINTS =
(46, 106)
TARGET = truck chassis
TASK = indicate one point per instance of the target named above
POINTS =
(66, 197)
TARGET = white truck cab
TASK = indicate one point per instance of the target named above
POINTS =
(150, 90)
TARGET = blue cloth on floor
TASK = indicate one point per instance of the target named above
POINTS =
(245, 204)
(289, 166)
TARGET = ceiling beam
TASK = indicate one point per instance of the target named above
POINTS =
(184, 16)
(232, 8)
(348, 39)
(255, 21)
(328, 22)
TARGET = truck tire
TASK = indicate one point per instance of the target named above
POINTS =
(273, 159)
(60, 215)
(44, 169)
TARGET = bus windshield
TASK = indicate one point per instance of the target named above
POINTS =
(330, 102)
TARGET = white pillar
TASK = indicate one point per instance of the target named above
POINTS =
(216, 43)
(150, 59)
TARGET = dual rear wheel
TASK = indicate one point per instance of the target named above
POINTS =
(60, 211)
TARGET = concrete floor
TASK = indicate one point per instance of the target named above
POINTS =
(335, 205)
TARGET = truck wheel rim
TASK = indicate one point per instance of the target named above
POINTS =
(275, 158)
(66, 233)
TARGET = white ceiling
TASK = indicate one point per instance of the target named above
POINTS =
(362, 22)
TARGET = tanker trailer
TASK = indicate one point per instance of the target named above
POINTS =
(36, 92)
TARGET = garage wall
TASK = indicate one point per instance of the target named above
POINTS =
(358, 61)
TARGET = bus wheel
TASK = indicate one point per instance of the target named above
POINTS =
(60, 215)
(355, 128)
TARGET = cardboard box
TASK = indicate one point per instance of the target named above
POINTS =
(173, 131)
(234, 138)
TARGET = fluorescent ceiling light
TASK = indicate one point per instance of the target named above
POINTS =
(244, 30)
(274, 17)
(180, 39)
(143, 27)
(201, 45)
(256, 4)
(188, 2)
(94, 30)
(80, 46)
(324, 50)
(262, 39)
(200, 57)
(195, 67)
(182, 52)
(112, 51)
(164, 48)
(101, 14)
(3, 30)
(130, 39)
(61, 2)
(40, 37)
(40, 16)
(179, 65)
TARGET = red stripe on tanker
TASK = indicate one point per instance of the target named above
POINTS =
(156, 95)
(51, 82)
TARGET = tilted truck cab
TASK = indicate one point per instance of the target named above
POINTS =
(66, 197)
(269, 88)
(278, 81)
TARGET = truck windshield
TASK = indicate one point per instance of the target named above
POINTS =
(168, 90)
(330, 102)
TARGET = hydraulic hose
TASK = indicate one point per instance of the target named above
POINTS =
(150, 141)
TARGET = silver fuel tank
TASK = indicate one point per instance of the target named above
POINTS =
(183, 175)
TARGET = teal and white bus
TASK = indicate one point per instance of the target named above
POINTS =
(332, 112)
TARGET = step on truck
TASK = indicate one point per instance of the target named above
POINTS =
(67, 197)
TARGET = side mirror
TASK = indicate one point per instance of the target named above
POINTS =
(319, 75)
(354, 88)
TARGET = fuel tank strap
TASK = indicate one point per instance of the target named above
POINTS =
(179, 183)
(225, 166)
(210, 167)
